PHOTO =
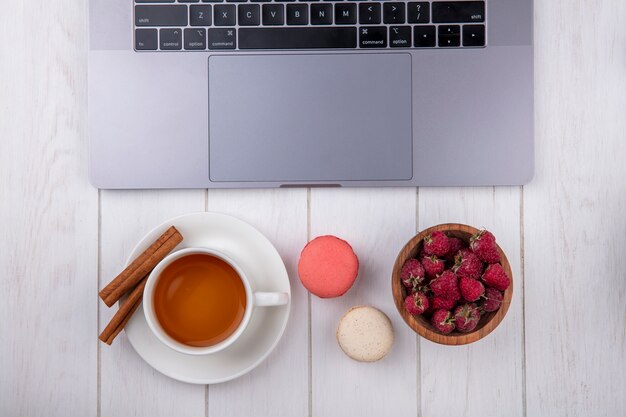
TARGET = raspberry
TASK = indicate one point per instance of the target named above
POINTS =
(483, 244)
(495, 277)
(438, 303)
(416, 303)
(432, 265)
(467, 265)
(456, 245)
(466, 317)
(493, 300)
(412, 273)
(471, 289)
(443, 321)
(446, 285)
(437, 243)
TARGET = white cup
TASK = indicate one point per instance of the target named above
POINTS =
(253, 299)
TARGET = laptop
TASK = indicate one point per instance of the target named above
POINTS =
(284, 93)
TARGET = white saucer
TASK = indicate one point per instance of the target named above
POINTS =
(260, 261)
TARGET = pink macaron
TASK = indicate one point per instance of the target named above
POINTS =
(328, 266)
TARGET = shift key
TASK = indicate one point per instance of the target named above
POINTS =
(458, 11)
(161, 15)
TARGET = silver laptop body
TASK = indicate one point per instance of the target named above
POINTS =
(219, 94)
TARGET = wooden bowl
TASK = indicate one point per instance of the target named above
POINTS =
(421, 325)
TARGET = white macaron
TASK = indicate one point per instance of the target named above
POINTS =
(365, 334)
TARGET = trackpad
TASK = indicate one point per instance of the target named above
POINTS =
(308, 118)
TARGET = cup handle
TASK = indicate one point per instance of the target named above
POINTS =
(268, 299)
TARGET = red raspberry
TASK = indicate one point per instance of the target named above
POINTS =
(416, 303)
(446, 285)
(432, 265)
(456, 245)
(467, 265)
(495, 277)
(437, 243)
(493, 300)
(438, 303)
(412, 273)
(483, 244)
(471, 289)
(466, 317)
(443, 321)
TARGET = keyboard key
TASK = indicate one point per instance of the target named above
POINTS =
(418, 12)
(424, 36)
(200, 15)
(212, 1)
(222, 38)
(155, 1)
(273, 14)
(249, 15)
(449, 40)
(297, 14)
(284, 1)
(393, 12)
(369, 13)
(175, 15)
(474, 35)
(297, 38)
(146, 39)
(260, 1)
(184, 1)
(224, 15)
(321, 14)
(449, 35)
(195, 39)
(400, 36)
(458, 11)
(373, 37)
(236, 1)
(171, 39)
(345, 14)
(449, 30)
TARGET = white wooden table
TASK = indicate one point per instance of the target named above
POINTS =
(561, 351)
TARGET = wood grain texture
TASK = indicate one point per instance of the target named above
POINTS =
(575, 214)
(486, 377)
(48, 215)
(376, 222)
(279, 387)
(128, 385)
(488, 321)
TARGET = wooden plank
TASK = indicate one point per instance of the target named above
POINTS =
(574, 214)
(377, 223)
(279, 386)
(48, 215)
(128, 385)
(486, 377)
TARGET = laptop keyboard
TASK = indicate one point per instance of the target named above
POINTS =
(194, 25)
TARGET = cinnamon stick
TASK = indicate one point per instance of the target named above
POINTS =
(141, 266)
(123, 315)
